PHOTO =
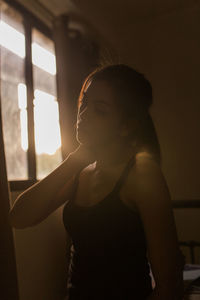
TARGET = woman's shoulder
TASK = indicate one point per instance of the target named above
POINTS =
(145, 164)
(145, 180)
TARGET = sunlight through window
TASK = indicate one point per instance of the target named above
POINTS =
(22, 104)
(46, 119)
(14, 41)
(15, 103)
(13, 95)
(43, 59)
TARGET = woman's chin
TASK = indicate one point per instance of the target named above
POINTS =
(86, 142)
(82, 138)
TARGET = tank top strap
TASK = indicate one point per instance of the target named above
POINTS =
(76, 177)
(119, 182)
(124, 175)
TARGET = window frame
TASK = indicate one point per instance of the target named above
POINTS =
(30, 22)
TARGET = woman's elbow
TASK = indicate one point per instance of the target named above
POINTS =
(171, 288)
(17, 221)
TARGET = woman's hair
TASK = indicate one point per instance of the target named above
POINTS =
(133, 95)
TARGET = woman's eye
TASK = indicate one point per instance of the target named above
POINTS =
(100, 111)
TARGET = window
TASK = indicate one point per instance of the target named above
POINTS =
(46, 116)
(12, 74)
(29, 104)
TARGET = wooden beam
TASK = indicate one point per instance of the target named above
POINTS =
(8, 270)
(186, 203)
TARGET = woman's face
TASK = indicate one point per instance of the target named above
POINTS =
(99, 118)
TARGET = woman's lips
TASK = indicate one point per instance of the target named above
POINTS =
(81, 126)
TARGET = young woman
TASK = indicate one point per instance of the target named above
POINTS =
(118, 211)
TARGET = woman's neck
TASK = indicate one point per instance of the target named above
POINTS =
(112, 156)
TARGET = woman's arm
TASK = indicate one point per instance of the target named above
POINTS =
(37, 202)
(151, 195)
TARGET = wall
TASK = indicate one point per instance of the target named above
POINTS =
(175, 44)
(166, 49)
(41, 258)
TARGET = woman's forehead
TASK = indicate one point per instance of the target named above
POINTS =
(99, 90)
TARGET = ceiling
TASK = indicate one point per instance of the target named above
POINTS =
(123, 10)
(113, 12)
(117, 23)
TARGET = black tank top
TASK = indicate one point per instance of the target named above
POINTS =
(108, 253)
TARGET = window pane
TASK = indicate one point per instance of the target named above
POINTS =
(13, 92)
(46, 115)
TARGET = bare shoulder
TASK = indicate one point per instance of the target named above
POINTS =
(147, 168)
(145, 171)
(146, 185)
(86, 173)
